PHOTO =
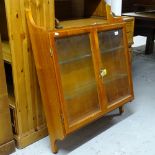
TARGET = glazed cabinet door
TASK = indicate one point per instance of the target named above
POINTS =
(115, 71)
(75, 61)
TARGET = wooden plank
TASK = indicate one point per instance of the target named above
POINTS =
(16, 40)
(7, 148)
(31, 137)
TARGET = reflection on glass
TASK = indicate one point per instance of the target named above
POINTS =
(113, 60)
(78, 78)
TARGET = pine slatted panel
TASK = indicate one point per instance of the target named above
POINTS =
(30, 122)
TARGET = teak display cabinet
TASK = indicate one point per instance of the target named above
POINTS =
(27, 115)
(89, 70)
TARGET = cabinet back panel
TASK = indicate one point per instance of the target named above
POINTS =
(95, 8)
(78, 9)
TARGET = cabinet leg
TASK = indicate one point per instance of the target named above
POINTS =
(54, 146)
(121, 110)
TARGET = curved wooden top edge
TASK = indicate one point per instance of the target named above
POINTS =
(110, 17)
(31, 21)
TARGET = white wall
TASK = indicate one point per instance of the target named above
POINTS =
(116, 6)
(108, 2)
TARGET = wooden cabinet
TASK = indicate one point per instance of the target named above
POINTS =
(28, 121)
(83, 73)
(7, 144)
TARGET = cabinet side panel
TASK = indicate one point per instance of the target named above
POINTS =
(47, 80)
(43, 12)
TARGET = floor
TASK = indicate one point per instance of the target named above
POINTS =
(133, 133)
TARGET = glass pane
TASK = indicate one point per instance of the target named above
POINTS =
(113, 58)
(78, 77)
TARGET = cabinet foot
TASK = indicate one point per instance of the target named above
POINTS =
(54, 146)
(121, 110)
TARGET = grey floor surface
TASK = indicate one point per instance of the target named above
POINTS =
(133, 133)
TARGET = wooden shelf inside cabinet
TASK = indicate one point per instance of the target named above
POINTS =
(82, 22)
(79, 13)
(6, 51)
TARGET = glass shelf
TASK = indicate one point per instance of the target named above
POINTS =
(82, 22)
(105, 50)
(114, 77)
(73, 60)
(83, 87)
